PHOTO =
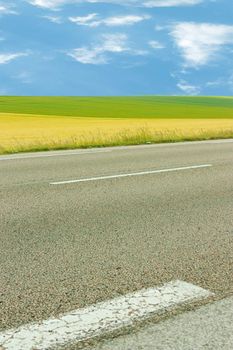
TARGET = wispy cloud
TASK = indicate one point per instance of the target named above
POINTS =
(188, 89)
(125, 20)
(53, 19)
(171, 3)
(92, 20)
(55, 4)
(100, 53)
(199, 43)
(154, 44)
(8, 57)
(7, 9)
(84, 20)
(97, 54)
(224, 81)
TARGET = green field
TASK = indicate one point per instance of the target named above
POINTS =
(121, 107)
(49, 123)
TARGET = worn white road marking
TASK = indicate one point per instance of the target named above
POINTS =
(100, 318)
(52, 154)
(98, 178)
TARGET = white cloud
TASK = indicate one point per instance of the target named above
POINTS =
(170, 3)
(115, 42)
(7, 9)
(199, 43)
(156, 44)
(123, 20)
(188, 89)
(88, 56)
(8, 57)
(99, 53)
(49, 4)
(92, 20)
(53, 19)
(84, 20)
(55, 4)
(159, 28)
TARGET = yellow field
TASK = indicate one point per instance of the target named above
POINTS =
(24, 132)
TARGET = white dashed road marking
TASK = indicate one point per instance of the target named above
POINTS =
(101, 318)
(98, 178)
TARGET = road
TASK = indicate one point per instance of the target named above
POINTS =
(75, 232)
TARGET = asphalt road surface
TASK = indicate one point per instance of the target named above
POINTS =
(206, 328)
(74, 231)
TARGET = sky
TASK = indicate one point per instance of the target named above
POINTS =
(116, 47)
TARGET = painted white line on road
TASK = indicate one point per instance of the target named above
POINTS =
(53, 154)
(101, 318)
(98, 178)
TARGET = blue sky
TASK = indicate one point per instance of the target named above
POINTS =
(116, 47)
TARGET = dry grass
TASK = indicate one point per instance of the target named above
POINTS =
(22, 133)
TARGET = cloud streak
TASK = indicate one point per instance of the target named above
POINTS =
(53, 19)
(54, 4)
(100, 53)
(8, 57)
(154, 44)
(171, 3)
(92, 20)
(188, 89)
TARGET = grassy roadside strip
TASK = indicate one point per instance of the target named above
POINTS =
(138, 136)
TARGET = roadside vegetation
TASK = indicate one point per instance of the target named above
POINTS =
(50, 123)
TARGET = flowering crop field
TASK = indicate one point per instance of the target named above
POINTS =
(48, 123)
